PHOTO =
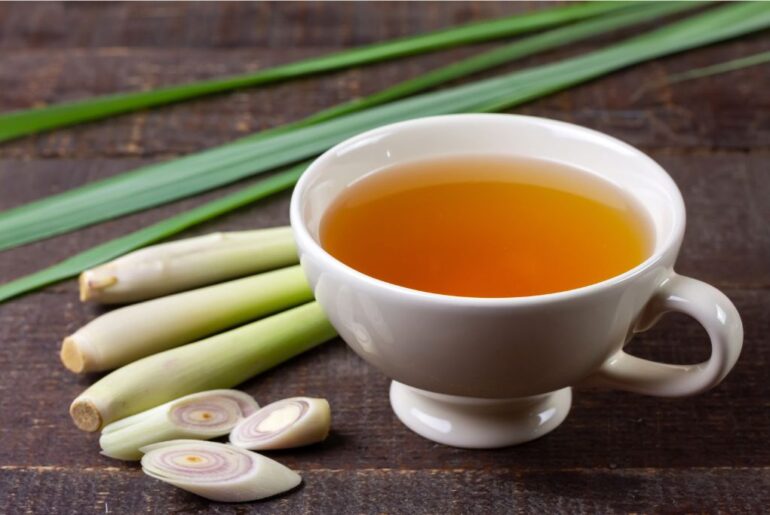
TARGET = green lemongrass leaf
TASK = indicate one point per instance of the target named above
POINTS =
(725, 67)
(715, 25)
(72, 266)
(634, 13)
(706, 71)
(548, 40)
(159, 183)
(513, 89)
(20, 123)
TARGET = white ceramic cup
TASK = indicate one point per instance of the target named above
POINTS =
(490, 372)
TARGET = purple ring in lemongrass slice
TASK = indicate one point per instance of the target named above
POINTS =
(217, 471)
(200, 416)
(284, 424)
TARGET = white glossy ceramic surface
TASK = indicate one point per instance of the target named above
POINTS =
(484, 357)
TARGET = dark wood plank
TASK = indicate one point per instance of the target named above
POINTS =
(232, 24)
(727, 240)
(398, 491)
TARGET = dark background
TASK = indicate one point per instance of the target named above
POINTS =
(616, 452)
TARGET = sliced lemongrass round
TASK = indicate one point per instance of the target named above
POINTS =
(201, 416)
(284, 424)
(217, 471)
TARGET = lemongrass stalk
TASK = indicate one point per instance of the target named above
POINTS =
(180, 265)
(221, 361)
(132, 332)
(217, 471)
(284, 424)
(199, 416)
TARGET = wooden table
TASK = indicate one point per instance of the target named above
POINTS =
(616, 452)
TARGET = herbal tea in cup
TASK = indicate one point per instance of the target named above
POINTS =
(489, 263)
(485, 226)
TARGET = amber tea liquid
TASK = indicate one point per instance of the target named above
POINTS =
(486, 227)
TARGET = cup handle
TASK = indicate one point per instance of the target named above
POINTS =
(715, 313)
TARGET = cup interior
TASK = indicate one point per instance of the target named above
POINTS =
(501, 135)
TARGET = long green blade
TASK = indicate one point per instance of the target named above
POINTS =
(716, 25)
(156, 184)
(727, 22)
(634, 13)
(555, 38)
(706, 71)
(725, 67)
(20, 123)
(101, 253)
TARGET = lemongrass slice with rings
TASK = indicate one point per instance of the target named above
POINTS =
(217, 471)
(284, 424)
(200, 416)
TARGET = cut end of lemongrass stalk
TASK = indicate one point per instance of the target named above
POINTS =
(284, 424)
(72, 355)
(199, 416)
(92, 283)
(86, 415)
(217, 471)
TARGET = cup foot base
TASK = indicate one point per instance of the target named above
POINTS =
(475, 423)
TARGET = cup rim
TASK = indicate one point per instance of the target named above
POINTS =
(306, 241)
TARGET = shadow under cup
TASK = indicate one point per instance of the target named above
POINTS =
(480, 372)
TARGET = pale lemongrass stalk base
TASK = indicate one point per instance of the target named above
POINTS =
(133, 332)
(180, 265)
(221, 361)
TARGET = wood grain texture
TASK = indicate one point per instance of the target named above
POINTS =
(616, 452)
(399, 491)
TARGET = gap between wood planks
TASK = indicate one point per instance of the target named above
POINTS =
(456, 470)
